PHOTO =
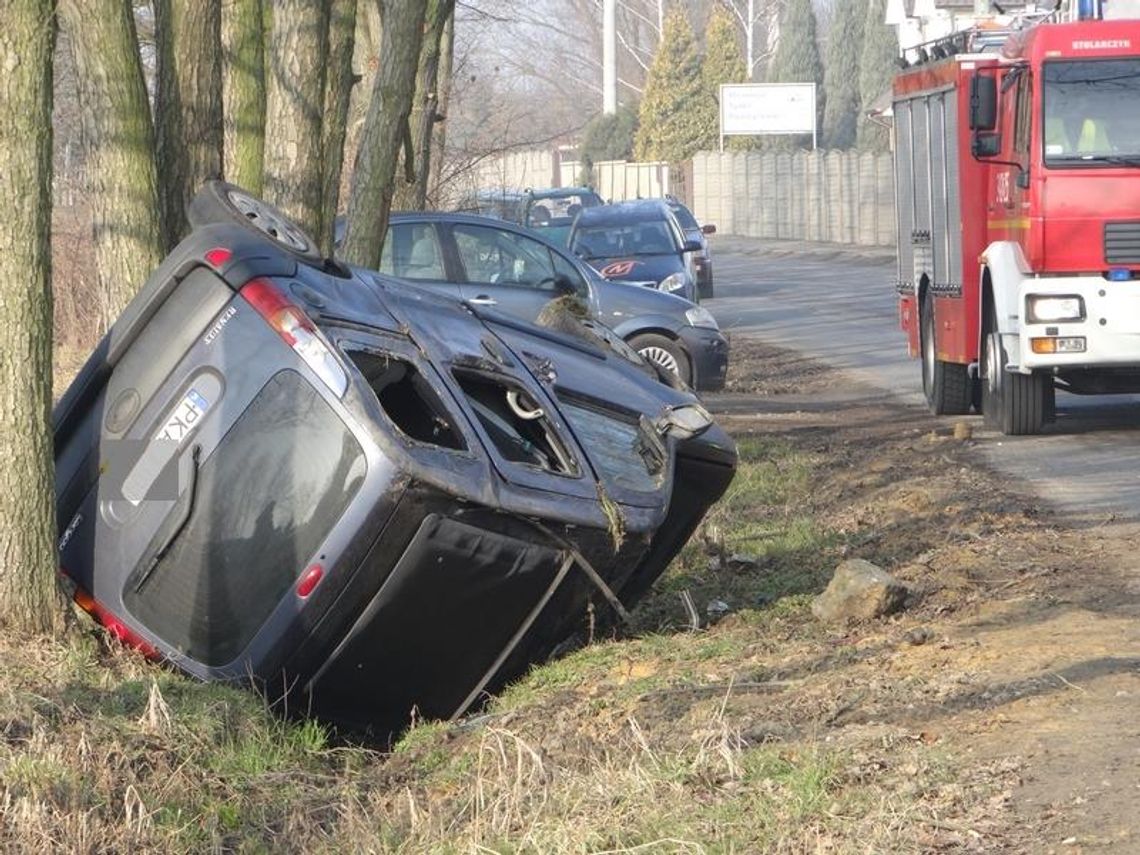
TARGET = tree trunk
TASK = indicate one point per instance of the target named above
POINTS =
(371, 197)
(338, 91)
(243, 93)
(188, 104)
(439, 130)
(119, 140)
(425, 108)
(30, 599)
(366, 62)
(295, 102)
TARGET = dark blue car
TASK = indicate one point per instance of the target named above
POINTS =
(640, 243)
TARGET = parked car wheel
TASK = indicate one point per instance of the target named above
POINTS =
(220, 201)
(664, 353)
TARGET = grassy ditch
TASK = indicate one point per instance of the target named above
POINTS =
(725, 739)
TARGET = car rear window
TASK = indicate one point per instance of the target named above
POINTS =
(265, 500)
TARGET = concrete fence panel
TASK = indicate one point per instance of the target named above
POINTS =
(834, 197)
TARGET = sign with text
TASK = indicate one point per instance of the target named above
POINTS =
(767, 108)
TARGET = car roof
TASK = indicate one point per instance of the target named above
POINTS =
(474, 220)
(635, 211)
(559, 192)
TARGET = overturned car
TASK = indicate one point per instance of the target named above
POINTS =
(362, 497)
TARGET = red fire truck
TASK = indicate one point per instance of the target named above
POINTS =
(1017, 175)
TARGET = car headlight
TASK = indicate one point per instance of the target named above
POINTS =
(699, 316)
(1049, 309)
(673, 282)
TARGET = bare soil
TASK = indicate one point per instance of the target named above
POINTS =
(1018, 660)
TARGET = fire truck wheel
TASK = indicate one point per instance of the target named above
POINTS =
(1015, 404)
(945, 384)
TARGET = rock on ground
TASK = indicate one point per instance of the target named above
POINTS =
(859, 590)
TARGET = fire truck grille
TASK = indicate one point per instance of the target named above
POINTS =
(1122, 243)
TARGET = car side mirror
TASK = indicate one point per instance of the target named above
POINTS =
(708, 229)
(692, 246)
(986, 145)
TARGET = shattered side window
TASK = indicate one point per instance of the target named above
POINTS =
(516, 425)
(624, 452)
(408, 399)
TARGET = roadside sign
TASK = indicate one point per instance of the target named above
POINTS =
(767, 108)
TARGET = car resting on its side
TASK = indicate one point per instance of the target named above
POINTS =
(356, 495)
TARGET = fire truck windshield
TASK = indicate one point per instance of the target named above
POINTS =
(1092, 113)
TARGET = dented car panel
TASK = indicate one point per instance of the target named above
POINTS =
(359, 496)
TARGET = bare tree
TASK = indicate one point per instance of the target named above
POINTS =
(119, 142)
(384, 129)
(298, 51)
(439, 131)
(425, 109)
(29, 596)
(338, 93)
(243, 92)
(188, 104)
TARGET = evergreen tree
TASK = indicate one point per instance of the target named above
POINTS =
(876, 68)
(723, 63)
(797, 55)
(841, 74)
(609, 136)
(670, 118)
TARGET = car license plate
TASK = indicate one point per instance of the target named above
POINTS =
(187, 413)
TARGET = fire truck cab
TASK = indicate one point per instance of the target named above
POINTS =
(1017, 166)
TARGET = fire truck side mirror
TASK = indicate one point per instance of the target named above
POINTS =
(986, 145)
(983, 102)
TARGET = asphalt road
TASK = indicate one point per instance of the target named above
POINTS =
(839, 307)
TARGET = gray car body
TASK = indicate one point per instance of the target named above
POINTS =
(630, 310)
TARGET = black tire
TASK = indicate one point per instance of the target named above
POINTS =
(946, 385)
(705, 287)
(222, 202)
(1015, 404)
(664, 353)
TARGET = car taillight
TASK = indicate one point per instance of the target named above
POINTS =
(297, 331)
(115, 627)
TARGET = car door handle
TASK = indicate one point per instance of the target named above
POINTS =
(483, 300)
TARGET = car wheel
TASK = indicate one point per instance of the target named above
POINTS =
(664, 353)
(705, 288)
(221, 202)
(946, 385)
(1015, 404)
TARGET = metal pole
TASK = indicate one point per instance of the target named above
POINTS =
(609, 57)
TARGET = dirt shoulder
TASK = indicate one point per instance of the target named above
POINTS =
(1026, 681)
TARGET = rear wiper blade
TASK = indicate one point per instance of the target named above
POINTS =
(187, 512)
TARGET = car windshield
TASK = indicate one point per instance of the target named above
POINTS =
(607, 241)
(1092, 112)
(546, 211)
(684, 217)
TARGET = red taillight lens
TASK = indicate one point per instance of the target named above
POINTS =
(309, 580)
(218, 256)
(297, 331)
(115, 627)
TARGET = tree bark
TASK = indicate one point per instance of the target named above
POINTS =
(338, 92)
(374, 178)
(295, 102)
(366, 63)
(119, 140)
(188, 104)
(30, 599)
(425, 107)
(243, 93)
(439, 130)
